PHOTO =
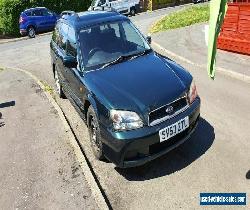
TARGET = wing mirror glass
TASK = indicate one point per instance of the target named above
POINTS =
(70, 62)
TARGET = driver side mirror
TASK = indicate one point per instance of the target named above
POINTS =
(70, 62)
(149, 39)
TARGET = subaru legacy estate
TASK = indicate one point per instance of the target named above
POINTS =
(138, 105)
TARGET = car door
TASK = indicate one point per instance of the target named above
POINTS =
(39, 20)
(49, 20)
(60, 53)
(74, 75)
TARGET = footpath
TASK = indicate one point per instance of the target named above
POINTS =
(38, 167)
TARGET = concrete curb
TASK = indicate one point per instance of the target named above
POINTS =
(95, 190)
(226, 72)
(22, 38)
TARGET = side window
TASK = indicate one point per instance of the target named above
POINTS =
(46, 12)
(63, 36)
(101, 2)
(55, 36)
(71, 43)
(37, 12)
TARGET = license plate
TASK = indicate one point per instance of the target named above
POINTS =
(174, 129)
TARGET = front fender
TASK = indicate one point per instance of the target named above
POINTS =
(101, 111)
(92, 102)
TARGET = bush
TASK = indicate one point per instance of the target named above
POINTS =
(10, 11)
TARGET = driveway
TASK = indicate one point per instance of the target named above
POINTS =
(215, 159)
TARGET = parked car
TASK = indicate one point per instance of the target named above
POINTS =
(35, 20)
(126, 7)
(137, 104)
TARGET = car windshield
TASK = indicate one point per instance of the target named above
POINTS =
(105, 43)
(93, 3)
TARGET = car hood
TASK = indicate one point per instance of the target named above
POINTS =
(142, 84)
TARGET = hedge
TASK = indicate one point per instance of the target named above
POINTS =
(10, 11)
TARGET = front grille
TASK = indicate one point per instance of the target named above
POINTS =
(160, 114)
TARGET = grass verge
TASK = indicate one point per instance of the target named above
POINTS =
(185, 17)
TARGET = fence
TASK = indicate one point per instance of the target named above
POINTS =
(235, 33)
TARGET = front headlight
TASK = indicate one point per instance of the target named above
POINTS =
(125, 120)
(192, 93)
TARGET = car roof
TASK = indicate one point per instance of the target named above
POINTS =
(34, 8)
(88, 18)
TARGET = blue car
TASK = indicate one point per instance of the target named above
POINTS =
(138, 105)
(35, 20)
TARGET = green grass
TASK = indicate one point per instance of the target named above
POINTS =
(47, 88)
(1, 69)
(185, 17)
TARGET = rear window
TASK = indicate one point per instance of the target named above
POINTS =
(28, 13)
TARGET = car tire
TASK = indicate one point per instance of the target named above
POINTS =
(59, 89)
(31, 32)
(132, 11)
(94, 134)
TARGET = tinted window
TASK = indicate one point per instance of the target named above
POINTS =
(63, 36)
(46, 12)
(102, 2)
(55, 36)
(37, 13)
(71, 44)
(104, 43)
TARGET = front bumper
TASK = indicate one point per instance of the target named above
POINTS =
(133, 148)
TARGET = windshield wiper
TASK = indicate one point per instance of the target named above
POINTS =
(144, 52)
(120, 59)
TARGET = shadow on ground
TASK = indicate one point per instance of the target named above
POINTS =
(4, 105)
(176, 160)
(7, 104)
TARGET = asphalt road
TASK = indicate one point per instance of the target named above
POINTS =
(215, 159)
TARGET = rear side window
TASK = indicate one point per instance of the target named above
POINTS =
(63, 36)
(71, 43)
(37, 12)
(46, 12)
(55, 36)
